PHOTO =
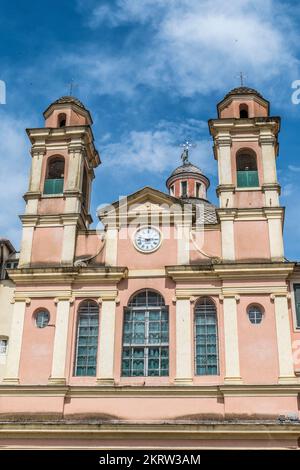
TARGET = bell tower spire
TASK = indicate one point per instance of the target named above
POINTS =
(58, 199)
(246, 147)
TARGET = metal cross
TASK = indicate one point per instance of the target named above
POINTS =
(242, 77)
(185, 154)
(72, 85)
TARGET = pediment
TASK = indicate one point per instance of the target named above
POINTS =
(147, 203)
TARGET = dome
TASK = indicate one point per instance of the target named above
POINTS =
(187, 168)
(69, 100)
(243, 90)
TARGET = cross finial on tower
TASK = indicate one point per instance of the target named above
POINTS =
(185, 154)
(72, 85)
(242, 77)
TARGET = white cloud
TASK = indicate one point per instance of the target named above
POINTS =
(294, 168)
(158, 150)
(14, 174)
(193, 46)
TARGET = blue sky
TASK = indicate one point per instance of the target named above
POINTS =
(151, 73)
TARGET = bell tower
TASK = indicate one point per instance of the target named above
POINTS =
(246, 147)
(58, 198)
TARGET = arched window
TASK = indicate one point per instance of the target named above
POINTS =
(84, 188)
(146, 336)
(206, 338)
(87, 339)
(244, 112)
(54, 181)
(255, 314)
(42, 318)
(247, 174)
(62, 120)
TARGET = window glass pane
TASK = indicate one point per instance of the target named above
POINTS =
(145, 326)
(42, 318)
(297, 303)
(255, 315)
(87, 339)
(3, 346)
(206, 339)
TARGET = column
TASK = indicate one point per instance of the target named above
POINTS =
(36, 168)
(284, 340)
(183, 243)
(184, 359)
(227, 235)
(58, 371)
(15, 341)
(267, 143)
(27, 239)
(274, 217)
(69, 241)
(111, 248)
(106, 346)
(232, 362)
(223, 145)
(75, 167)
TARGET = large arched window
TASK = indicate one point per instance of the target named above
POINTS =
(87, 339)
(146, 336)
(54, 181)
(247, 174)
(206, 338)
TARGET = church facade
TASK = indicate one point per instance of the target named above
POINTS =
(175, 323)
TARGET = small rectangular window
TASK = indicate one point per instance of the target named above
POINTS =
(297, 303)
(184, 188)
(198, 185)
(3, 347)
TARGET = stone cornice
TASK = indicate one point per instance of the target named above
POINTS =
(73, 391)
(256, 270)
(59, 275)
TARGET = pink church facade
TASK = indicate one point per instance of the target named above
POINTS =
(175, 324)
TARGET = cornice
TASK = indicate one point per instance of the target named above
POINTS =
(58, 275)
(233, 270)
(76, 391)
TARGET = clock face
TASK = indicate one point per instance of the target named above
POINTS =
(147, 239)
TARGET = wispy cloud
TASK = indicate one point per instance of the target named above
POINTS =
(14, 174)
(193, 47)
(158, 149)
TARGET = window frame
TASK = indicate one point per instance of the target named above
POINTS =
(294, 304)
(217, 345)
(77, 338)
(38, 312)
(181, 188)
(262, 311)
(146, 346)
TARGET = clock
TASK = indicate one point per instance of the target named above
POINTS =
(147, 239)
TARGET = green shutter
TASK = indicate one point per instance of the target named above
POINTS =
(297, 303)
(54, 186)
(247, 179)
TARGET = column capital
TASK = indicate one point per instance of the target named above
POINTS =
(266, 139)
(64, 299)
(229, 295)
(275, 295)
(223, 141)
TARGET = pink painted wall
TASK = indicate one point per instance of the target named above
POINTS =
(257, 342)
(73, 118)
(246, 236)
(209, 242)
(37, 345)
(47, 245)
(88, 244)
(232, 110)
